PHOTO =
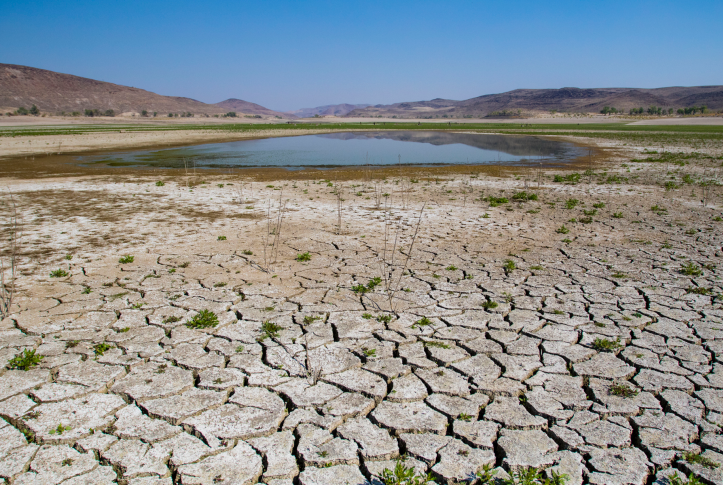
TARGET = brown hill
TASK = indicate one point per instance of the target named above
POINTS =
(54, 92)
(572, 100)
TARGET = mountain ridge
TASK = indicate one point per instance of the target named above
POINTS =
(567, 99)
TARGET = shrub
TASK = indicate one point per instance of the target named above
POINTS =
(203, 319)
(127, 259)
(509, 266)
(34, 110)
(303, 257)
(21, 111)
(59, 273)
(27, 359)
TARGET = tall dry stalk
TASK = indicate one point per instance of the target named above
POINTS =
(272, 256)
(8, 264)
(339, 206)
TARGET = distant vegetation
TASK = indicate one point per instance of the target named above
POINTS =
(96, 112)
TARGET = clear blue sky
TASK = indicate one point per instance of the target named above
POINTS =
(292, 54)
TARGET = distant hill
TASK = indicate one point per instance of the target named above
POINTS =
(241, 106)
(328, 110)
(54, 92)
(532, 101)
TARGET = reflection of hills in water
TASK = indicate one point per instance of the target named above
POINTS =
(521, 146)
(423, 148)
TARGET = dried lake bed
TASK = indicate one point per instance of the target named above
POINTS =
(441, 317)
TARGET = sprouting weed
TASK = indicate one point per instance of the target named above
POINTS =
(221, 238)
(203, 319)
(309, 319)
(59, 273)
(384, 318)
(303, 257)
(605, 345)
(622, 390)
(269, 330)
(27, 359)
(490, 304)
(435, 343)
(127, 259)
(422, 322)
(100, 348)
(369, 352)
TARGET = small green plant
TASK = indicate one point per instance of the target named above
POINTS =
(403, 475)
(487, 475)
(622, 390)
(367, 316)
(370, 352)
(698, 290)
(27, 359)
(373, 283)
(435, 343)
(590, 213)
(619, 274)
(524, 196)
(100, 348)
(59, 273)
(60, 429)
(239, 349)
(124, 330)
(160, 184)
(269, 330)
(137, 306)
(537, 267)
(509, 266)
(247, 252)
(485, 216)
(303, 257)
(605, 345)
(571, 203)
(308, 319)
(422, 322)
(562, 230)
(68, 257)
(171, 319)
(127, 259)
(718, 218)
(87, 290)
(690, 269)
(221, 238)
(464, 417)
(675, 479)
(567, 240)
(488, 305)
(384, 318)
(697, 459)
(451, 268)
(599, 205)
(203, 319)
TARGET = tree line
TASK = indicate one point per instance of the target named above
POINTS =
(656, 110)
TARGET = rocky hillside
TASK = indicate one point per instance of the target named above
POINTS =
(53, 92)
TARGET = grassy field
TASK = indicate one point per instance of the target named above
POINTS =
(559, 129)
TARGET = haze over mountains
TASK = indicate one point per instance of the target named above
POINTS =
(328, 110)
(52, 92)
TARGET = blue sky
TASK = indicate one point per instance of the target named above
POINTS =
(291, 54)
